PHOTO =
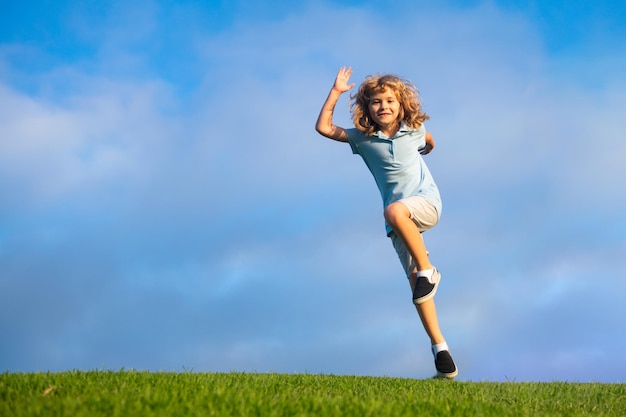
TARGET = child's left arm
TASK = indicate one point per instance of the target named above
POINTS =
(430, 144)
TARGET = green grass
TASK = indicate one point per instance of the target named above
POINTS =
(134, 394)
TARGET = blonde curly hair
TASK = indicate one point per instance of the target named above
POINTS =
(406, 93)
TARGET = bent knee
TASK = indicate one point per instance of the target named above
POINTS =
(395, 211)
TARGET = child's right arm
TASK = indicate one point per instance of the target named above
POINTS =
(324, 123)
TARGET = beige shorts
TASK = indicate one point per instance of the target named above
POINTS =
(425, 216)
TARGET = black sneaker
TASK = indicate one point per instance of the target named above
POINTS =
(445, 365)
(425, 288)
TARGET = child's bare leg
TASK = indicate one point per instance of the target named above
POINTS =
(399, 218)
(428, 316)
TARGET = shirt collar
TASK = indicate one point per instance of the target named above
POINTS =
(403, 129)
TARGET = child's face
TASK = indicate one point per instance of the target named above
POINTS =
(384, 109)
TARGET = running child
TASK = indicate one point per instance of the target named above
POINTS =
(390, 136)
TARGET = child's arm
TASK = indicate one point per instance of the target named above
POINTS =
(324, 123)
(430, 144)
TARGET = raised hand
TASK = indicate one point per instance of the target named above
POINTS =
(324, 124)
(341, 81)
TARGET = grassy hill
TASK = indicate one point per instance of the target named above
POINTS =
(135, 394)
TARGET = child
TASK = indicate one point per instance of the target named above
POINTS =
(389, 135)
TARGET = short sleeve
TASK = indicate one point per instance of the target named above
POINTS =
(353, 137)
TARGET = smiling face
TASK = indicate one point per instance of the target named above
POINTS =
(384, 109)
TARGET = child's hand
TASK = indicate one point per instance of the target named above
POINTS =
(430, 144)
(341, 81)
(426, 149)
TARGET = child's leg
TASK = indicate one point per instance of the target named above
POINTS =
(398, 217)
(446, 368)
(428, 316)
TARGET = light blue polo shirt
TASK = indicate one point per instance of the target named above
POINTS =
(396, 164)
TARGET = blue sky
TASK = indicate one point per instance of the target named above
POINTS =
(165, 203)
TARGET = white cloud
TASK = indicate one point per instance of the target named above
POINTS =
(112, 135)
